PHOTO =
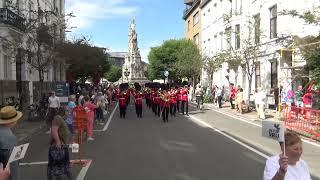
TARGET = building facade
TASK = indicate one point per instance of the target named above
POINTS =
(230, 24)
(192, 18)
(18, 76)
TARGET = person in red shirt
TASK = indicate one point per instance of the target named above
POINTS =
(232, 95)
(184, 100)
(173, 101)
(122, 103)
(165, 97)
(138, 103)
(178, 98)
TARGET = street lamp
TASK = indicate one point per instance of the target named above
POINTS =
(126, 73)
(166, 74)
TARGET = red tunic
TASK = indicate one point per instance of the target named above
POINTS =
(122, 100)
(184, 94)
(173, 96)
(138, 99)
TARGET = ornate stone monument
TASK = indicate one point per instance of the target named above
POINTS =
(132, 69)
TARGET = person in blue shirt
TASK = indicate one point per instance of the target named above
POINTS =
(69, 121)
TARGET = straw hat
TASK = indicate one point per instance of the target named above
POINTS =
(8, 114)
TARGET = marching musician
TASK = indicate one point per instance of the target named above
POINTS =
(173, 101)
(165, 98)
(178, 98)
(157, 101)
(138, 103)
(122, 103)
(184, 99)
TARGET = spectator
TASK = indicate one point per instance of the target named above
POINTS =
(69, 121)
(298, 97)
(219, 97)
(89, 107)
(239, 100)
(199, 96)
(100, 102)
(8, 119)
(232, 95)
(289, 166)
(59, 167)
(54, 104)
(260, 100)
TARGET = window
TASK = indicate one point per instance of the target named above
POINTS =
(228, 37)
(274, 74)
(208, 10)
(273, 22)
(61, 6)
(7, 67)
(196, 39)
(258, 76)
(237, 37)
(257, 28)
(188, 25)
(196, 18)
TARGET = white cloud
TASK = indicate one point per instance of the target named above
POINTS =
(87, 12)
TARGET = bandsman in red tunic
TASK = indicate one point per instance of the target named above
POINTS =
(173, 101)
(165, 101)
(178, 98)
(138, 103)
(184, 100)
(157, 103)
(122, 103)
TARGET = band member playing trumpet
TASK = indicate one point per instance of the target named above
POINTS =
(165, 98)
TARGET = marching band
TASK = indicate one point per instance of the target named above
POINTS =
(160, 98)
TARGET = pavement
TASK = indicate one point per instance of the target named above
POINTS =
(208, 144)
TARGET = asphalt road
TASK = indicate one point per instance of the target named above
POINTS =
(149, 149)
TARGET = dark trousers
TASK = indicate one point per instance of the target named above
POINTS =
(219, 101)
(178, 105)
(232, 105)
(165, 112)
(122, 112)
(158, 110)
(184, 106)
(139, 110)
(173, 109)
(99, 112)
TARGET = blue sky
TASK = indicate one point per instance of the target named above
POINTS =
(106, 22)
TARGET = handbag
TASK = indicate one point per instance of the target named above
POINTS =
(59, 163)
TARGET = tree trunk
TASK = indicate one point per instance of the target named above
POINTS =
(249, 89)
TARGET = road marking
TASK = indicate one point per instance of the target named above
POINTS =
(258, 125)
(84, 170)
(108, 122)
(231, 138)
(81, 175)
(110, 118)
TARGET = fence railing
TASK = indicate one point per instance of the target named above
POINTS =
(305, 121)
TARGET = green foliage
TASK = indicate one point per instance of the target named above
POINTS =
(180, 57)
(208, 98)
(84, 60)
(114, 74)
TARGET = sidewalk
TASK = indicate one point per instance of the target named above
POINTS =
(247, 129)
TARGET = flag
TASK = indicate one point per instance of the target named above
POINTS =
(273, 129)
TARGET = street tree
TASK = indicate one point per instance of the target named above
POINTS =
(114, 74)
(211, 65)
(189, 61)
(84, 60)
(308, 46)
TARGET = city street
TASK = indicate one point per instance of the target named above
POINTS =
(147, 148)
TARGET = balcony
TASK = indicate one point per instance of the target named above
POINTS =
(9, 17)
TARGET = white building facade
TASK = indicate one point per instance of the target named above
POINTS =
(268, 29)
(17, 76)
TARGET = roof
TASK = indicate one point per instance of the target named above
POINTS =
(203, 3)
(118, 54)
(189, 10)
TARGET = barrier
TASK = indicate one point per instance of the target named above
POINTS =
(80, 123)
(303, 120)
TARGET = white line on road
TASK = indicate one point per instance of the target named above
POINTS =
(34, 163)
(258, 125)
(231, 138)
(84, 170)
(110, 118)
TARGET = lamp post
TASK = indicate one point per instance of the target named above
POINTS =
(166, 74)
(126, 73)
